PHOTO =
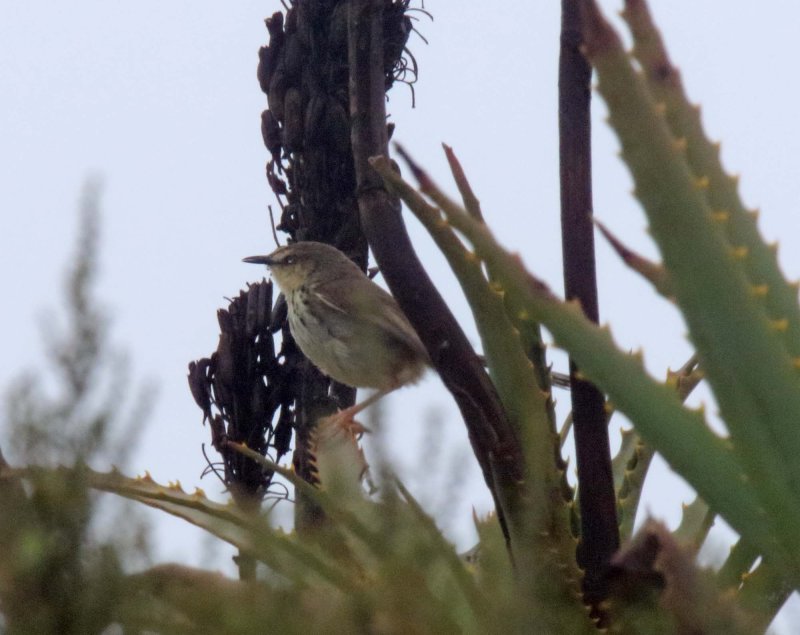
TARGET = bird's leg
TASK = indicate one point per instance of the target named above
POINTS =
(352, 411)
(345, 418)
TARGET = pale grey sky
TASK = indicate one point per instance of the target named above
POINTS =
(161, 100)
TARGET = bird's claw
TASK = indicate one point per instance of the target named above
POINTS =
(342, 422)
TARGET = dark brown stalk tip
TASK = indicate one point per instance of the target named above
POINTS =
(455, 164)
(422, 177)
(622, 251)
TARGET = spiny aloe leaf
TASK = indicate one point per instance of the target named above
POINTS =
(475, 599)
(634, 458)
(542, 529)
(337, 458)
(696, 521)
(356, 519)
(510, 368)
(488, 556)
(250, 533)
(626, 451)
(630, 490)
(471, 203)
(703, 157)
(654, 273)
(747, 364)
(173, 598)
(529, 333)
(411, 549)
(740, 560)
(682, 436)
(764, 591)
(393, 536)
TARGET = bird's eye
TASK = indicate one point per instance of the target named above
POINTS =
(289, 260)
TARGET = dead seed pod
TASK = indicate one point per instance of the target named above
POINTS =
(290, 25)
(337, 126)
(258, 312)
(264, 69)
(315, 111)
(290, 219)
(337, 38)
(271, 132)
(276, 183)
(200, 385)
(275, 28)
(294, 57)
(293, 121)
(303, 22)
(277, 90)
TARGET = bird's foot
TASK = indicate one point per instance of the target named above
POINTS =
(342, 421)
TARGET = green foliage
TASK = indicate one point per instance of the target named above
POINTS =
(83, 419)
(728, 322)
(55, 574)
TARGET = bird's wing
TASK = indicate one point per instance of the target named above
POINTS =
(363, 300)
(327, 301)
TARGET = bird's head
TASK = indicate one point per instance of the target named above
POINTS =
(305, 262)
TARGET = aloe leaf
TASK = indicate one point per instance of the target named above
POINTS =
(542, 529)
(248, 532)
(385, 534)
(630, 490)
(356, 519)
(530, 333)
(465, 582)
(653, 272)
(747, 365)
(740, 560)
(764, 591)
(633, 461)
(703, 157)
(471, 203)
(339, 461)
(681, 435)
(510, 369)
(696, 521)
(626, 451)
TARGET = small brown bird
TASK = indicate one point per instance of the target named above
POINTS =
(347, 325)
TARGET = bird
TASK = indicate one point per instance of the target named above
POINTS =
(349, 327)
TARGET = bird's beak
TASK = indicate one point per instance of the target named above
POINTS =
(258, 260)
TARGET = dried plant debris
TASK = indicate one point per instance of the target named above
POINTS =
(243, 388)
